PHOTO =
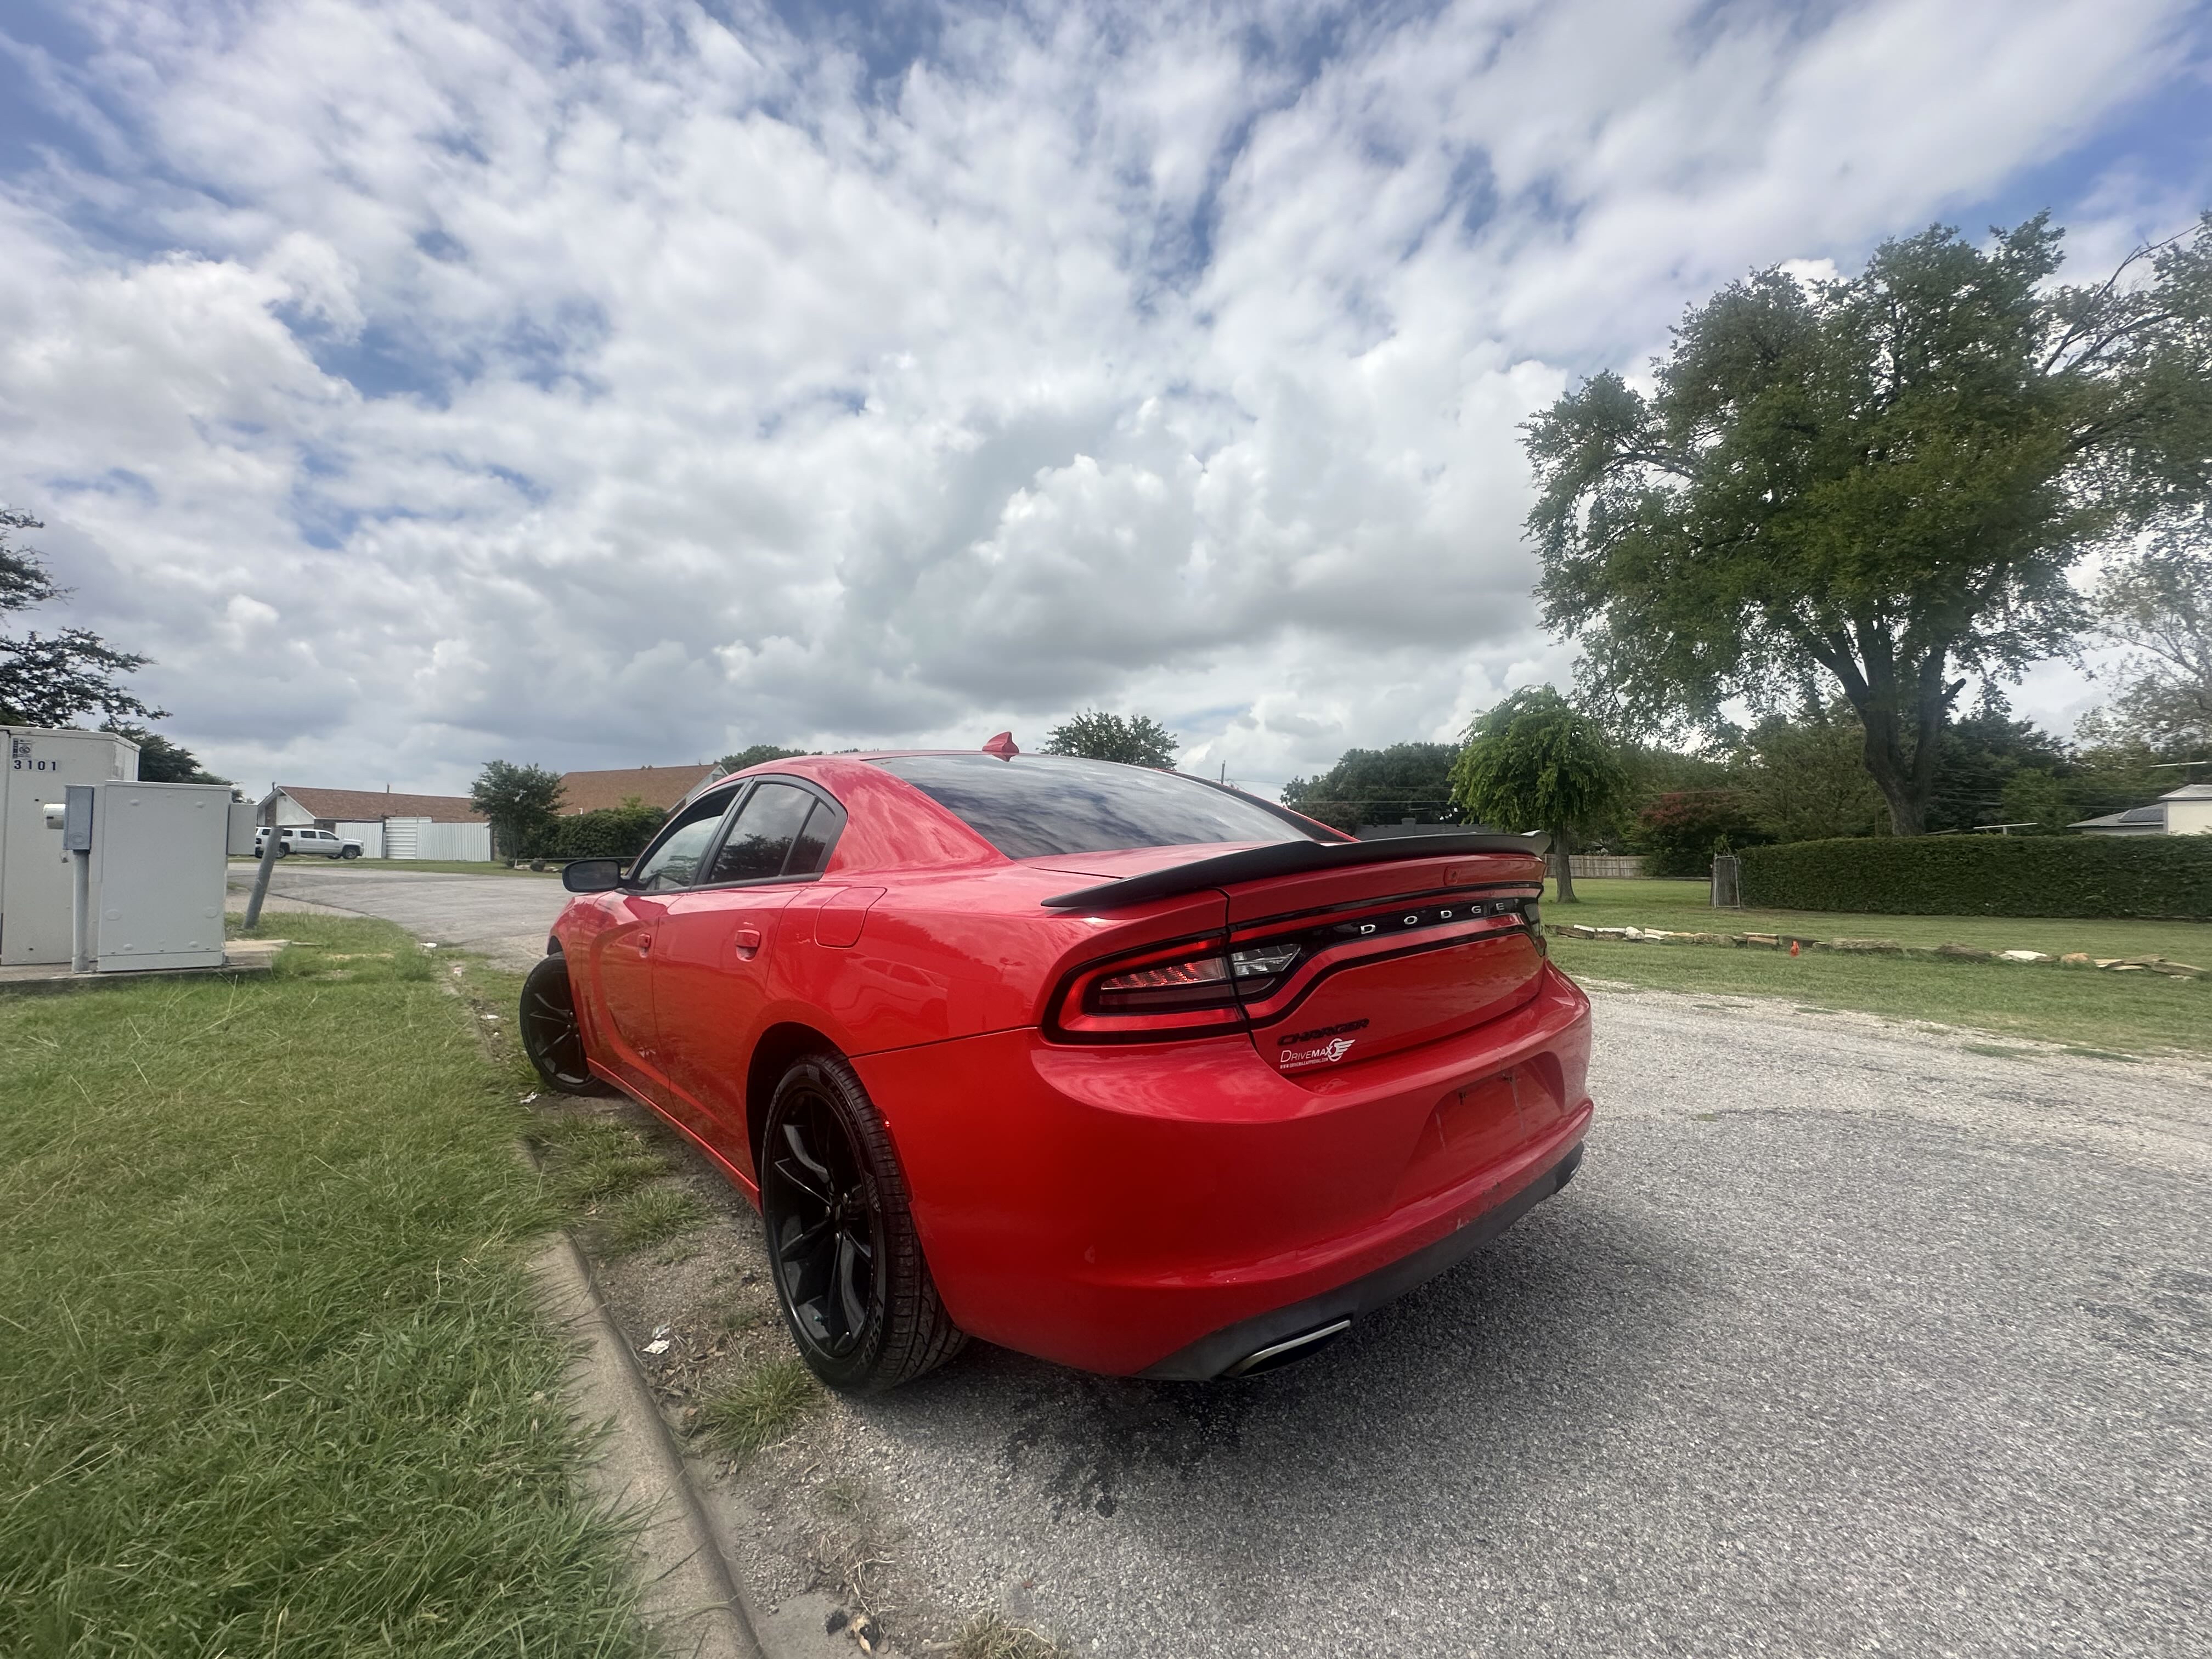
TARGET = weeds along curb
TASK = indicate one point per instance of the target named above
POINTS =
(692, 1599)
(692, 1596)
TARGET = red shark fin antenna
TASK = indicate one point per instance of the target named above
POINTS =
(1003, 746)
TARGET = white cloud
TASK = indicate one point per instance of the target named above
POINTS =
(421, 383)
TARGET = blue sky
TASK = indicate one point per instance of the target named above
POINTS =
(594, 384)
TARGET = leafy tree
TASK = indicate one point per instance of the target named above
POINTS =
(1534, 763)
(1375, 786)
(2159, 604)
(759, 755)
(1979, 754)
(1134, 740)
(160, 761)
(51, 679)
(1805, 779)
(1872, 482)
(1681, 826)
(519, 800)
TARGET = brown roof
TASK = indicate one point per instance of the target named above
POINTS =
(367, 805)
(656, 786)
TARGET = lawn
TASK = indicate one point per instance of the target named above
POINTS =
(2130, 1013)
(274, 1377)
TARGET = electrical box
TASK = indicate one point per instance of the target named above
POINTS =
(35, 871)
(159, 863)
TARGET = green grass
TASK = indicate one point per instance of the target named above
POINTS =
(2101, 1012)
(1687, 905)
(643, 1219)
(273, 1376)
(762, 1406)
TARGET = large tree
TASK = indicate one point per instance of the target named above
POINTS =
(519, 800)
(1533, 761)
(1803, 776)
(1132, 739)
(759, 754)
(1875, 482)
(2159, 604)
(53, 679)
(1372, 786)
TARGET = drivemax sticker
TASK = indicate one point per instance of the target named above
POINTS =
(1323, 1046)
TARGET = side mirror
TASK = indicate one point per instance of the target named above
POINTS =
(592, 875)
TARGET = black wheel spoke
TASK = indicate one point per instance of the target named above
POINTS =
(822, 1226)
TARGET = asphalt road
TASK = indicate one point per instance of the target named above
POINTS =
(505, 918)
(1847, 1339)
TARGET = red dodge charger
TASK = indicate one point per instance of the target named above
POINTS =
(1122, 1068)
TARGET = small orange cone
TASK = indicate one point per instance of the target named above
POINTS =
(1793, 947)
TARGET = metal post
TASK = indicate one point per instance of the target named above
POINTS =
(268, 851)
(80, 913)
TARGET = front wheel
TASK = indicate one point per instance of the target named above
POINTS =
(847, 1261)
(349, 852)
(552, 1035)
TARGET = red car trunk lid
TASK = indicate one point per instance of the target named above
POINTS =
(1376, 958)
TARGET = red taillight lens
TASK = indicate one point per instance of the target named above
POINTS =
(1181, 990)
(1193, 982)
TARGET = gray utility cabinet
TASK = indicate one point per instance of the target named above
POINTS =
(160, 858)
(35, 871)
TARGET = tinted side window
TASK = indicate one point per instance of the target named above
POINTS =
(1043, 805)
(675, 861)
(760, 841)
(811, 850)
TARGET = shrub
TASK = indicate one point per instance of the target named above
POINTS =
(612, 832)
(2155, 876)
(1680, 827)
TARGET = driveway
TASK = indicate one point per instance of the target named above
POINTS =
(1848, 1338)
(505, 918)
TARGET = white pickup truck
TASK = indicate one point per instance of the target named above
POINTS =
(301, 838)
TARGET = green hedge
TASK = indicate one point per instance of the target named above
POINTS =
(2153, 876)
(613, 832)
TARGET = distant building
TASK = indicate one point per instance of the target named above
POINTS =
(662, 786)
(2183, 811)
(387, 824)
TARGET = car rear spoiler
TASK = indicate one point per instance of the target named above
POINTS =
(1286, 858)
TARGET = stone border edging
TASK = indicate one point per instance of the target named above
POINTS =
(1878, 947)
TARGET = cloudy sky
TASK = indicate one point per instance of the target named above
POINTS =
(603, 383)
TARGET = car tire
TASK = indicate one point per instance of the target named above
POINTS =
(348, 852)
(552, 1035)
(844, 1252)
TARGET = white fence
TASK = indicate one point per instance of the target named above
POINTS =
(368, 832)
(423, 838)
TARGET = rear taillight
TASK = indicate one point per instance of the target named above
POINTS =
(1198, 985)
(1182, 990)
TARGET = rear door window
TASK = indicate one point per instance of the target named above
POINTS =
(759, 845)
(1050, 806)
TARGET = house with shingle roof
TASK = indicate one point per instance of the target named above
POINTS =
(386, 823)
(2183, 811)
(662, 786)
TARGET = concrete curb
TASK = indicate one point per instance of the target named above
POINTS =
(691, 1597)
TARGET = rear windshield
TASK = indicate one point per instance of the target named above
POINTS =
(1048, 806)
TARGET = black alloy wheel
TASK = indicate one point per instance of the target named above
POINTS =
(552, 1037)
(846, 1262)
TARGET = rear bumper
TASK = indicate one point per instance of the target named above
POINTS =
(1146, 1210)
(1231, 1351)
